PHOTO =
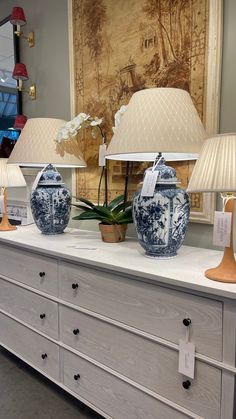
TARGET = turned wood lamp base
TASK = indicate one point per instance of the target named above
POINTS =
(5, 224)
(226, 271)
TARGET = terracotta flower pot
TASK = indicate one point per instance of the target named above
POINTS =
(113, 233)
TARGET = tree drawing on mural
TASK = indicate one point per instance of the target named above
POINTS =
(124, 46)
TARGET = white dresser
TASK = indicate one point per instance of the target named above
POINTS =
(104, 323)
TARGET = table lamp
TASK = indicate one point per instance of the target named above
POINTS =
(159, 124)
(215, 171)
(36, 147)
(10, 176)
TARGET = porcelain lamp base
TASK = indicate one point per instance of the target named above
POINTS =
(50, 202)
(161, 220)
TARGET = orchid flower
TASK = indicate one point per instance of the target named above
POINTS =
(118, 116)
(71, 128)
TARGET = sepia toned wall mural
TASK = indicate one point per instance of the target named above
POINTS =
(124, 46)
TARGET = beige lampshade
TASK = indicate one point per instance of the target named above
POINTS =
(10, 175)
(158, 120)
(36, 146)
(215, 169)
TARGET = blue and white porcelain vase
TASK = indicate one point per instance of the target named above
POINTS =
(51, 202)
(161, 221)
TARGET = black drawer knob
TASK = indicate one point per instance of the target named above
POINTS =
(76, 331)
(44, 356)
(42, 274)
(186, 384)
(42, 316)
(187, 322)
(76, 377)
(75, 286)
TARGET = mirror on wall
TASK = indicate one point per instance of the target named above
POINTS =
(10, 98)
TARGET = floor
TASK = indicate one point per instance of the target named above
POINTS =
(26, 394)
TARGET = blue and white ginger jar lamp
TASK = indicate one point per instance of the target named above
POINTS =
(161, 221)
(51, 202)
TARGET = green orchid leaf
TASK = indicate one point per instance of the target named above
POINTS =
(83, 207)
(102, 211)
(122, 206)
(88, 215)
(127, 214)
(115, 202)
(86, 201)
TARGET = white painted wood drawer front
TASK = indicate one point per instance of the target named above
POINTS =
(145, 362)
(37, 311)
(151, 308)
(116, 398)
(34, 348)
(34, 270)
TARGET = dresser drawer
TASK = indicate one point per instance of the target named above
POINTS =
(30, 346)
(34, 270)
(114, 397)
(29, 307)
(151, 308)
(144, 361)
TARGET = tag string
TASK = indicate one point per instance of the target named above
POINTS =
(36, 181)
(187, 334)
(155, 164)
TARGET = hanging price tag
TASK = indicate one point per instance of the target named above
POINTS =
(186, 358)
(222, 228)
(1, 203)
(149, 183)
(102, 153)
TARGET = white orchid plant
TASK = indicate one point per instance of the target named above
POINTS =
(83, 120)
(71, 128)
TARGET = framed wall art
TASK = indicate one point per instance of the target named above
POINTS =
(118, 48)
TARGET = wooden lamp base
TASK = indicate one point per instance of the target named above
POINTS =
(226, 271)
(5, 225)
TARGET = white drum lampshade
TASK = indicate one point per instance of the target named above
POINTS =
(215, 171)
(10, 176)
(36, 146)
(158, 120)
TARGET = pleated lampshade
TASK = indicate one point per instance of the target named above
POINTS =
(10, 175)
(36, 146)
(158, 120)
(215, 169)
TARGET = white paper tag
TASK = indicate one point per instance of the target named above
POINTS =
(102, 153)
(149, 183)
(222, 228)
(1, 203)
(186, 358)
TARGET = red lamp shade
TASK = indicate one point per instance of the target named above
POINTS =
(20, 122)
(17, 16)
(20, 72)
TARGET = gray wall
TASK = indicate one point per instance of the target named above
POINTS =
(48, 65)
